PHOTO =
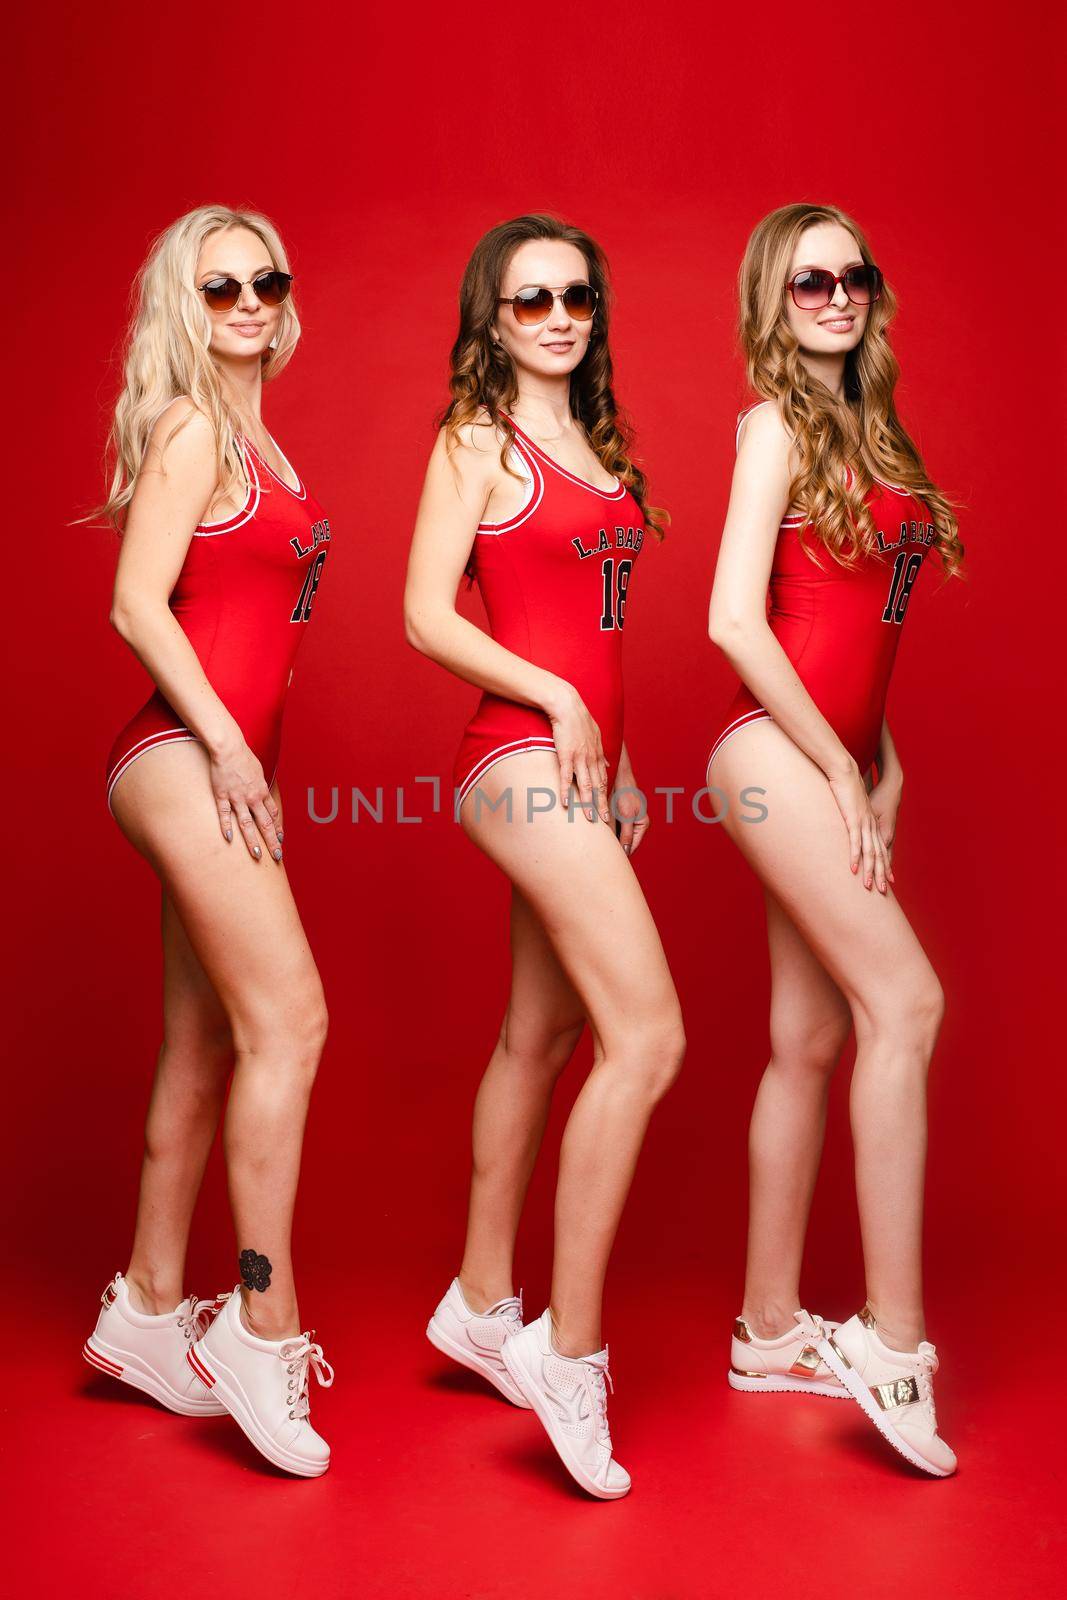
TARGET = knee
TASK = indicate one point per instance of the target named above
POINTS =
(909, 1017)
(544, 1046)
(290, 1034)
(808, 1046)
(654, 1054)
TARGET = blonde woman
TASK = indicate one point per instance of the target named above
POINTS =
(832, 507)
(531, 488)
(221, 556)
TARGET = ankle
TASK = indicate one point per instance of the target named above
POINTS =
(153, 1294)
(273, 1320)
(481, 1293)
(769, 1319)
(898, 1330)
(573, 1342)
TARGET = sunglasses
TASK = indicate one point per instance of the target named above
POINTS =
(271, 288)
(816, 287)
(535, 305)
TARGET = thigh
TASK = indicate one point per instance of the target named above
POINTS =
(239, 914)
(806, 1004)
(543, 1004)
(799, 850)
(581, 885)
(193, 1014)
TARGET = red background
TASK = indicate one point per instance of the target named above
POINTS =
(383, 144)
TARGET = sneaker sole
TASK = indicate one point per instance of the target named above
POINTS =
(783, 1384)
(105, 1359)
(838, 1363)
(226, 1387)
(524, 1380)
(466, 1358)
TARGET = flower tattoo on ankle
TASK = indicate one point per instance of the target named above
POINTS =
(255, 1271)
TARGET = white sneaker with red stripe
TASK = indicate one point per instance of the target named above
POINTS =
(895, 1389)
(569, 1396)
(148, 1352)
(788, 1364)
(263, 1384)
(476, 1338)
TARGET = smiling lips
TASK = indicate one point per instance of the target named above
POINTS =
(247, 329)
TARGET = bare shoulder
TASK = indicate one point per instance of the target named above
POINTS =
(184, 433)
(763, 434)
(472, 450)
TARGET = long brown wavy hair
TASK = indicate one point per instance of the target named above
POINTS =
(843, 444)
(483, 376)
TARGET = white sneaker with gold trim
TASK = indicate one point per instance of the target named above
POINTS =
(895, 1389)
(788, 1364)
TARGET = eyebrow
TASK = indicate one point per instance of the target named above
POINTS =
(220, 273)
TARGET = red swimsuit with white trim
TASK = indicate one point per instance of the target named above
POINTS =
(840, 626)
(554, 579)
(242, 598)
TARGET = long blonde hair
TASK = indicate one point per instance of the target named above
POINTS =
(167, 352)
(845, 444)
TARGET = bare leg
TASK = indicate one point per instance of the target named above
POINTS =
(187, 1097)
(869, 949)
(542, 1024)
(582, 887)
(243, 925)
(810, 1023)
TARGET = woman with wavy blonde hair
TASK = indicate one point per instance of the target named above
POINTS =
(222, 548)
(832, 508)
(532, 489)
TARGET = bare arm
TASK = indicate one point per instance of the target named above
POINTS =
(169, 499)
(737, 622)
(455, 497)
(737, 616)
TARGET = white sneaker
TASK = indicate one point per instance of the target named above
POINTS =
(568, 1394)
(895, 1389)
(476, 1338)
(148, 1352)
(789, 1364)
(263, 1384)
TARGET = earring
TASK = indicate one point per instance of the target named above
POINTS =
(274, 343)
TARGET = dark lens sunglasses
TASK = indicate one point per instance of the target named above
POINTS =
(815, 288)
(535, 305)
(222, 294)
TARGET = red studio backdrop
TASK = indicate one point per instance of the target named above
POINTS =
(383, 143)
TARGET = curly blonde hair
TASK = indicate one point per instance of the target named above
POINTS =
(167, 353)
(483, 378)
(843, 444)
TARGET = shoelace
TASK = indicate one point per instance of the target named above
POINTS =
(598, 1371)
(202, 1314)
(813, 1326)
(510, 1308)
(303, 1356)
(926, 1366)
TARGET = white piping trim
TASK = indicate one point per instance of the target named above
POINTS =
(732, 728)
(535, 484)
(181, 735)
(514, 748)
(212, 530)
(300, 492)
(617, 493)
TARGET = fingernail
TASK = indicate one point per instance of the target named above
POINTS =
(229, 834)
(281, 835)
(256, 851)
(277, 855)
